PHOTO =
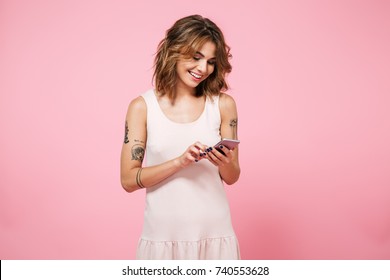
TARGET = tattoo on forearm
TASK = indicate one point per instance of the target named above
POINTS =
(233, 125)
(137, 153)
(126, 133)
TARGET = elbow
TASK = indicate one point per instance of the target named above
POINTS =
(232, 179)
(127, 186)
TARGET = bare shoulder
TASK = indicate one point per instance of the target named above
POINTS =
(227, 104)
(136, 109)
(138, 105)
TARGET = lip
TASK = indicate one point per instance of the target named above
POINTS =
(197, 74)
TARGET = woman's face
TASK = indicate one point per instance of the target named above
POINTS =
(191, 72)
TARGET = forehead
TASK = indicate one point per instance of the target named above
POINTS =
(207, 50)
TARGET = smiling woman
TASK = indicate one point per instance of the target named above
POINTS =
(200, 66)
(185, 40)
(187, 214)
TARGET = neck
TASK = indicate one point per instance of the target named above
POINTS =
(182, 90)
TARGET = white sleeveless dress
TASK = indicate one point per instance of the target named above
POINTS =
(187, 215)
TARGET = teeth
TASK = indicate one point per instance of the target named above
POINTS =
(195, 75)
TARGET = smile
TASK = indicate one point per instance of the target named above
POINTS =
(197, 76)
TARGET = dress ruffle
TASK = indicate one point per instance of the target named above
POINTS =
(224, 248)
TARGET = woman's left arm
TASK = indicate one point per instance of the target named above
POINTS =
(229, 167)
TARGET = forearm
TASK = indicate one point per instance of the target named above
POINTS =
(137, 178)
(230, 172)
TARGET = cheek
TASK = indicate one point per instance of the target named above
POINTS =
(186, 66)
(210, 69)
(180, 69)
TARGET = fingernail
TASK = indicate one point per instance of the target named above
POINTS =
(203, 154)
(221, 146)
(196, 160)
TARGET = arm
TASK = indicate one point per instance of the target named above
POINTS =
(229, 167)
(133, 176)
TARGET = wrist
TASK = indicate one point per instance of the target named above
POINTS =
(177, 163)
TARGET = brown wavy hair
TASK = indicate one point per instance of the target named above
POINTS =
(183, 40)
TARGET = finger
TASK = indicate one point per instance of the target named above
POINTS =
(209, 157)
(214, 155)
(200, 146)
(220, 156)
(202, 149)
(192, 156)
(197, 153)
(226, 151)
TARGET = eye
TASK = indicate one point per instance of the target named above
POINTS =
(211, 62)
(196, 58)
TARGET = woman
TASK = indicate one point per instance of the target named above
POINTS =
(186, 214)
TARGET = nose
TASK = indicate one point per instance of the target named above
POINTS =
(202, 66)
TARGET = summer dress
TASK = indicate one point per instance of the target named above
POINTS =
(187, 215)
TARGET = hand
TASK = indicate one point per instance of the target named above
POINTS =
(217, 158)
(194, 153)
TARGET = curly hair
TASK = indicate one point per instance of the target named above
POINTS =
(183, 40)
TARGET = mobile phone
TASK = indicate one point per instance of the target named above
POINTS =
(228, 143)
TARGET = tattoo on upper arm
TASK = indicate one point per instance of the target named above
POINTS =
(233, 126)
(126, 133)
(137, 153)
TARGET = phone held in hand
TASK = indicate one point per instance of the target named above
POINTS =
(228, 143)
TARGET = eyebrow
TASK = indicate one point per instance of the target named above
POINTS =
(201, 54)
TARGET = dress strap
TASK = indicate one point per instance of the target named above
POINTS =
(212, 110)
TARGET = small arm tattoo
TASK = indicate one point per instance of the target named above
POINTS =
(137, 153)
(126, 133)
(233, 125)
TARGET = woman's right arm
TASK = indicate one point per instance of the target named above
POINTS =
(133, 176)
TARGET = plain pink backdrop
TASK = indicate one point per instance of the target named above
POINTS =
(311, 81)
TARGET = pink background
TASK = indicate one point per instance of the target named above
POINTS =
(311, 81)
